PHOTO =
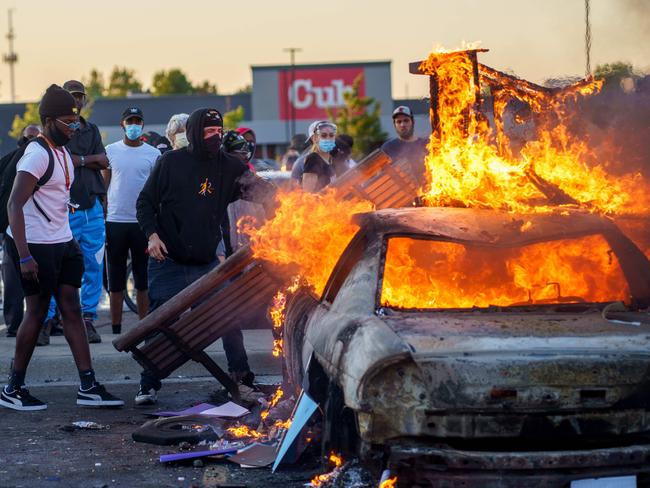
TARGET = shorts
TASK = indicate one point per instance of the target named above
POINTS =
(58, 264)
(122, 237)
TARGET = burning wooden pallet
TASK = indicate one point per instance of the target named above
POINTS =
(382, 181)
(212, 306)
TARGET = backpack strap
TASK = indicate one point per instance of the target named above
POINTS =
(46, 176)
(50, 165)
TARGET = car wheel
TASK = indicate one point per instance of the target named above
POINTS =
(340, 433)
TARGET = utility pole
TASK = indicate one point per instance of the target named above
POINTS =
(292, 52)
(11, 58)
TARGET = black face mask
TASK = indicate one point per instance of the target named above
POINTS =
(58, 136)
(212, 145)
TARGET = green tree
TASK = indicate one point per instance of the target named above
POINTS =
(95, 86)
(233, 118)
(614, 73)
(122, 82)
(245, 90)
(206, 88)
(21, 121)
(359, 118)
(172, 82)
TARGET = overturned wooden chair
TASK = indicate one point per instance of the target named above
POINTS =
(182, 328)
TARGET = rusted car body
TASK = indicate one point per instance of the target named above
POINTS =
(486, 396)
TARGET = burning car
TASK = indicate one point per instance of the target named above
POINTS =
(479, 346)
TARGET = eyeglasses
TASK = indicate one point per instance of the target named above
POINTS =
(72, 125)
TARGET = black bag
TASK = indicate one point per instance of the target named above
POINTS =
(9, 175)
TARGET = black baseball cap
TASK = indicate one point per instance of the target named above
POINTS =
(132, 112)
(74, 86)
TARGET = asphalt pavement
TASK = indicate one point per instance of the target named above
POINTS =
(54, 363)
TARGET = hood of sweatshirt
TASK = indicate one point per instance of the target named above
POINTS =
(194, 131)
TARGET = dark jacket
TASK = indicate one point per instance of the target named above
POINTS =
(186, 196)
(88, 183)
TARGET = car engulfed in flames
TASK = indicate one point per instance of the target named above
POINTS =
(479, 329)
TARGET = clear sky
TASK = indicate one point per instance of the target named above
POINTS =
(218, 40)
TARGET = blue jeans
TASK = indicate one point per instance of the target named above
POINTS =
(168, 278)
(89, 230)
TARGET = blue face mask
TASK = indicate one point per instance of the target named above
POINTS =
(133, 131)
(326, 145)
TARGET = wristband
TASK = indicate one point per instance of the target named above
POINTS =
(24, 260)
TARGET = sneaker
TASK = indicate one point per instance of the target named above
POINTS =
(97, 396)
(146, 396)
(91, 332)
(44, 334)
(20, 399)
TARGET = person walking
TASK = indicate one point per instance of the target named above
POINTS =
(45, 253)
(131, 162)
(13, 301)
(180, 210)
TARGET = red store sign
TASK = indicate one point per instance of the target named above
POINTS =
(315, 90)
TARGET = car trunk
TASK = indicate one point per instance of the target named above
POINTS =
(512, 374)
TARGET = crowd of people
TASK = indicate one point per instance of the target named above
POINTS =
(74, 206)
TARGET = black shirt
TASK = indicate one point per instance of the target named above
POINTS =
(88, 183)
(413, 152)
(315, 164)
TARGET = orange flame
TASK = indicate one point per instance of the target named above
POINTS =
(464, 167)
(434, 274)
(274, 401)
(389, 483)
(244, 431)
(309, 231)
(334, 459)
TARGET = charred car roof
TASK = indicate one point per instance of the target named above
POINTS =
(482, 225)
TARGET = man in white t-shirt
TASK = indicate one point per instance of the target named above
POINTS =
(43, 250)
(131, 161)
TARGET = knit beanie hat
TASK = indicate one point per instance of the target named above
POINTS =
(57, 102)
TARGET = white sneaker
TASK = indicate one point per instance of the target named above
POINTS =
(146, 396)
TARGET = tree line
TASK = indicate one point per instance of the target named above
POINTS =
(123, 81)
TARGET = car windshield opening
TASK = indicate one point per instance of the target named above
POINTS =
(429, 274)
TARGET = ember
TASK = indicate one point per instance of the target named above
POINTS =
(243, 431)
(389, 483)
(335, 460)
(274, 401)
(433, 274)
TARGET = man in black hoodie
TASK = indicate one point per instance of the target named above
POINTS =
(180, 210)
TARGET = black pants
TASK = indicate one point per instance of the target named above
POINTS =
(122, 237)
(166, 279)
(13, 299)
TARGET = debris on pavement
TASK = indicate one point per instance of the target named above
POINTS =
(84, 425)
(255, 455)
(167, 458)
(174, 430)
(229, 409)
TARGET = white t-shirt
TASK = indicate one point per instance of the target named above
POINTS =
(52, 197)
(130, 168)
